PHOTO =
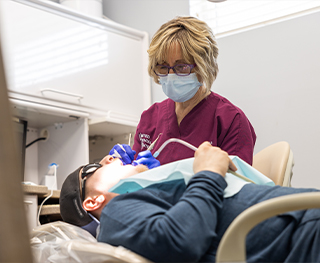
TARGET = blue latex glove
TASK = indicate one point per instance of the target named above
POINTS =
(124, 152)
(147, 159)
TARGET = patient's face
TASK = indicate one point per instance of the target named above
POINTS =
(111, 172)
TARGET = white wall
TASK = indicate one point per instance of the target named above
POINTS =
(273, 74)
(145, 15)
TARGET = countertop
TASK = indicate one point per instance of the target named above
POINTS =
(40, 190)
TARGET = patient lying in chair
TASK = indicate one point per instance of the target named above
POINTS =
(183, 218)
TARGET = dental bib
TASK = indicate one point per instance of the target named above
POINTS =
(183, 169)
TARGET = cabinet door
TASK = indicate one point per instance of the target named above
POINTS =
(57, 56)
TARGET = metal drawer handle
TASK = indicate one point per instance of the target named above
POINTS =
(28, 202)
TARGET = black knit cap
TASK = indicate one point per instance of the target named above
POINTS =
(71, 209)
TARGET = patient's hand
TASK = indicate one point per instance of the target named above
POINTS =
(213, 159)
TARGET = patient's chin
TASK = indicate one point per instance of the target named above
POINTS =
(141, 168)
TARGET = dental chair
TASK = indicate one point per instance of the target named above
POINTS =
(232, 247)
(73, 244)
(276, 162)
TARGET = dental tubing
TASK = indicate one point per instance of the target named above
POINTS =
(156, 154)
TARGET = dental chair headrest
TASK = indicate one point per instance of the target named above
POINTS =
(71, 209)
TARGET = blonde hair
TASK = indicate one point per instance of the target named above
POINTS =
(197, 43)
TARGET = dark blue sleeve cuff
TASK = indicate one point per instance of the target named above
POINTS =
(217, 178)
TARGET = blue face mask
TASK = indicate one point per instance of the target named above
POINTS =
(180, 88)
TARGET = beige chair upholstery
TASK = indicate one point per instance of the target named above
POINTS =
(232, 247)
(14, 236)
(276, 162)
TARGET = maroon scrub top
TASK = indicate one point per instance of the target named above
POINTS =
(214, 119)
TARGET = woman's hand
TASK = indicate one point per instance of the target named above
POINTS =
(147, 159)
(124, 152)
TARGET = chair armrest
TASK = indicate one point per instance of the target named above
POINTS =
(232, 247)
(288, 172)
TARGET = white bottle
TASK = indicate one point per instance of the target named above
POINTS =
(50, 179)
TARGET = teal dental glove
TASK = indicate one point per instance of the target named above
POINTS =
(124, 152)
(147, 159)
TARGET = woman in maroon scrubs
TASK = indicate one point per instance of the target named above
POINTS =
(183, 59)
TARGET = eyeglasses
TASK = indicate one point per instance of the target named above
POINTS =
(179, 69)
(88, 170)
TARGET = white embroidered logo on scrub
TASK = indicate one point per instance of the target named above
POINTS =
(145, 140)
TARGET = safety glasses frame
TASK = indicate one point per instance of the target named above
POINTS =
(87, 171)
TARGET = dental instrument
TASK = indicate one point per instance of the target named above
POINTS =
(116, 154)
(152, 144)
(156, 154)
(130, 134)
